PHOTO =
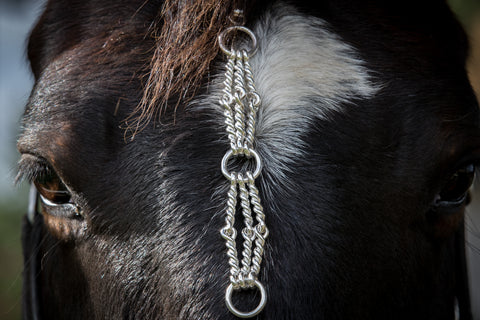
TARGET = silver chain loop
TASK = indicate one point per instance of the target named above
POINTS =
(240, 102)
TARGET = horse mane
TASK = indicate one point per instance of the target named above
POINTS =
(185, 34)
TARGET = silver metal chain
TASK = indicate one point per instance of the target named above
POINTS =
(240, 102)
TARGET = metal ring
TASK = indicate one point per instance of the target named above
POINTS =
(222, 35)
(232, 177)
(256, 311)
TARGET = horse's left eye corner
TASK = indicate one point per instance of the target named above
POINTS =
(455, 191)
(63, 218)
(448, 207)
(61, 215)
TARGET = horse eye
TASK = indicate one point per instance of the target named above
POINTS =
(456, 189)
(51, 188)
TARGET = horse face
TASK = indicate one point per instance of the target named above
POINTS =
(368, 131)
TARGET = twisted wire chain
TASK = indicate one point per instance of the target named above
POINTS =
(227, 100)
(260, 229)
(229, 233)
(239, 85)
(240, 102)
(253, 103)
(239, 94)
(247, 232)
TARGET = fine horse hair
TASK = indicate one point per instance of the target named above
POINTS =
(367, 131)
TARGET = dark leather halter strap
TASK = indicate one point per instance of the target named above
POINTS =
(461, 273)
(31, 239)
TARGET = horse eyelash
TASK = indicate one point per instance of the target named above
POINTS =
(30, 170)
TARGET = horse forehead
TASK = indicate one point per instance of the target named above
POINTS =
(66, 24)
(304, 74)
(62, 90)
(71, 111)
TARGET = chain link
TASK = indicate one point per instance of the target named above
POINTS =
(240, 102)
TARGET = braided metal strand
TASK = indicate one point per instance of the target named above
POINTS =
(241, 102)
(229, 233)
(227, 100)
(227, 97)
(247, 232)
(239, 75)
(239, 94)
(261, 230)
(253, 102)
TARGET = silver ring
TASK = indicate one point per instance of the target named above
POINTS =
(253, 313)
(222, 35)
(232, 177)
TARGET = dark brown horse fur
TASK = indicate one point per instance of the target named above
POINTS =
(368, 131)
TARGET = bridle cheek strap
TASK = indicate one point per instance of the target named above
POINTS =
(31, 238)
(461, 273)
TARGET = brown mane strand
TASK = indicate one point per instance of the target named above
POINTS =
(185, 34)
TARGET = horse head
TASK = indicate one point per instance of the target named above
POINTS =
(367, 132)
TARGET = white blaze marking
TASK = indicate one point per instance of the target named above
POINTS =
(302, 72)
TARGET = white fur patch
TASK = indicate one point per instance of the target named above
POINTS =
(302, 72)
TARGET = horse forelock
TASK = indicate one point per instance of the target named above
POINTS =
(185, 34)
(182, 34)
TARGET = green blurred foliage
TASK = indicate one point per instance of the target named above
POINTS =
(11, 265)
(466, 10)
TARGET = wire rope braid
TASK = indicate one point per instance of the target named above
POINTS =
(240, 102)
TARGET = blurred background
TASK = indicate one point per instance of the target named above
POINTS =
(16, 20)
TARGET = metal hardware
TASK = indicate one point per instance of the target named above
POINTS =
(237, 29)
(232, 177)
(256, 311)
(240, 103)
